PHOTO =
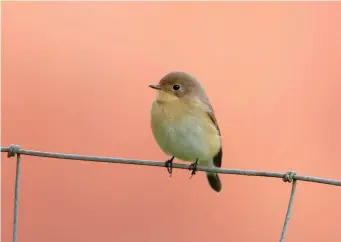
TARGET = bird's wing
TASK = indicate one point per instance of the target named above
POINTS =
(208, 109)
(218, 157)
(214, 120)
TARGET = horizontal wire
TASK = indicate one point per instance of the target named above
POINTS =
(288, 176)
(175, 165)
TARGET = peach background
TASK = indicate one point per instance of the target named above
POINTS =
(74, 80)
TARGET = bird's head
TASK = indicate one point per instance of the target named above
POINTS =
(178, 85)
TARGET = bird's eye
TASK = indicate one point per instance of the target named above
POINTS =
(176, 87)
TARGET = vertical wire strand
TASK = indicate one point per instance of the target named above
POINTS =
(287, 217)
(16, 198)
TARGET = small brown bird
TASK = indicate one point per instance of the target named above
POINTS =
(184, 125)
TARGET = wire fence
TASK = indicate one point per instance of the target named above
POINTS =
(290, 176)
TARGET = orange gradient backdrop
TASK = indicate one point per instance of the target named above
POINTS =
(75, 79)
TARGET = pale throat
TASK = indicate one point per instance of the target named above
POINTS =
(175, 109)
(163, 96)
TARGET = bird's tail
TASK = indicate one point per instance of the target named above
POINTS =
(214, 181)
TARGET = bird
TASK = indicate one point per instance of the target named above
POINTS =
(184, 125)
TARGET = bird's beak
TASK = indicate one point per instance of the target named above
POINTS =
(157, 87)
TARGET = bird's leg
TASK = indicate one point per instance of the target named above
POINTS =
(193, 167)
(169, 165)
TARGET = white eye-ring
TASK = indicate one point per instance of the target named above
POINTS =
(176, 87)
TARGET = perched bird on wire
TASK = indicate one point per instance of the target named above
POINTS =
(184, 125)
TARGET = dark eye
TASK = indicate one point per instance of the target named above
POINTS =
(176, 87)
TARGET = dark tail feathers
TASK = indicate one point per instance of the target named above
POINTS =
(214, 181)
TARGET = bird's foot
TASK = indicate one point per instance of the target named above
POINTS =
(169, 165)
(193, 167)
(288, 177)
